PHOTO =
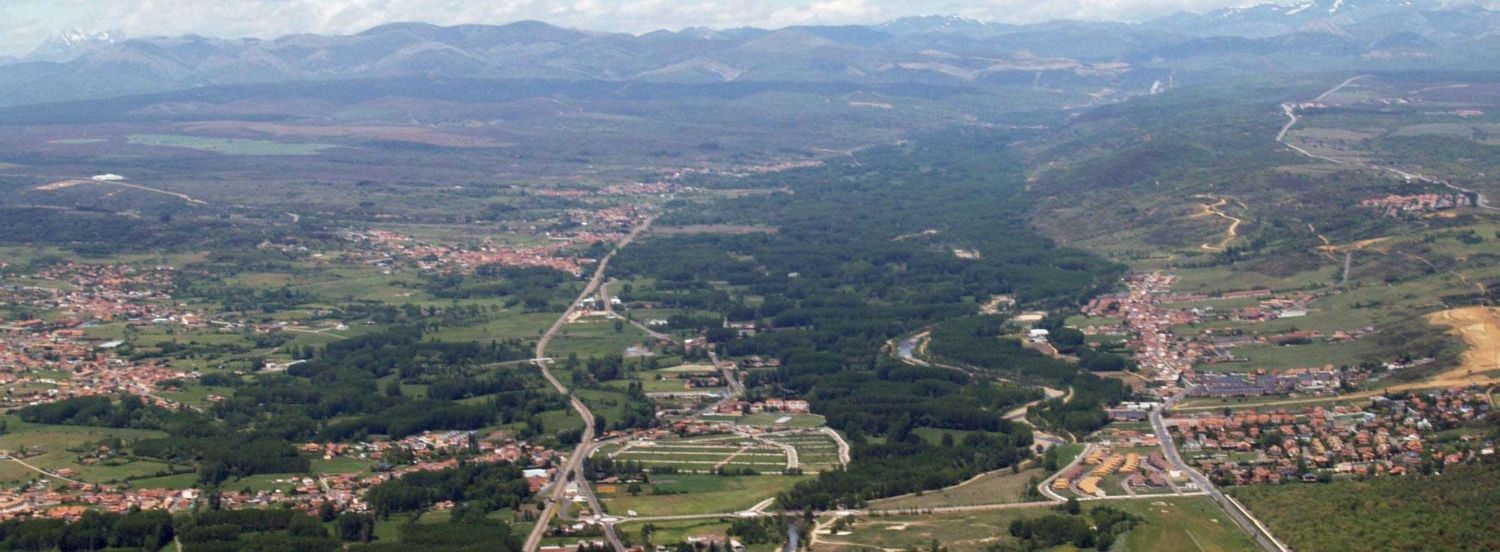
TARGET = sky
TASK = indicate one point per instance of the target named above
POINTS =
(24, 24)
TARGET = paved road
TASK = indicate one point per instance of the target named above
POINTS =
(574, 466)
(1045, 487)
(325, 333)
(844, 458)
(726, 369)
(609, 310)
(7, 456)
(1291, 113)
(899, 511)
(906, 350)
(1242, 517)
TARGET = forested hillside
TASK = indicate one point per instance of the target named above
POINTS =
(1452, 511)
(865, 250)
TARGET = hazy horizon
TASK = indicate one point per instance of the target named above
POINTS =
(27, 24)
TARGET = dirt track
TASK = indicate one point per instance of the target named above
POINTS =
(1217, 210)
(78, 181)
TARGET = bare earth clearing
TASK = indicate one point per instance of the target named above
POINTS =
(1480, 328)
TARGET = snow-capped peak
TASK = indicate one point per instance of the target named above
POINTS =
(70, 44)
(77, 37)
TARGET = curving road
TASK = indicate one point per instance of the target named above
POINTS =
(574, 467)
(1291, 113)
(906, 349)
(1045, 487)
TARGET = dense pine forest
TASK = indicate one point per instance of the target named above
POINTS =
(1452, 511)
(864, 251)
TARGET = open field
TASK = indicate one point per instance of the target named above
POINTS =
(680, 494)
(1221, 279)
(1182, 524)
(965, 532)
(54, 448)
(997, 487)
(504, 325)
(362, 132)
(652, 385)
(1169, 524)
(228, 146)
(594, 337)
(1280, 357)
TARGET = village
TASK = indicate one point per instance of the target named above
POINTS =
(1410, 434)
(390, 250)
(1152, 318)
(45, 360)
(57, 352)
(1394, 205)
(60, 340)
(58, 496)
(53, 358)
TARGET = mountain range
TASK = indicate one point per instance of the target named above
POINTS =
(1315, 35)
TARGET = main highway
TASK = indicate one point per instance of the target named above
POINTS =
(1242, 517)
(574, 467)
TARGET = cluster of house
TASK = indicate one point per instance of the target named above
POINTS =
(94, 292)
(1314, 382)
(69, 501)
(614, 219)
(1392, 436)
(702, 382)
(690, 427)
(425, 445)
(1149, 311)
(758, 362)
(387, 249)
(742, 170)
(698, 543)
(788, 406)
(1131, 411)
(1396, 205)
(1294, 305)
(50, 360)
(627, 189)
(644, 188)
(1160, 353)
(307, 493)
(1139, 473)
(89, 374)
